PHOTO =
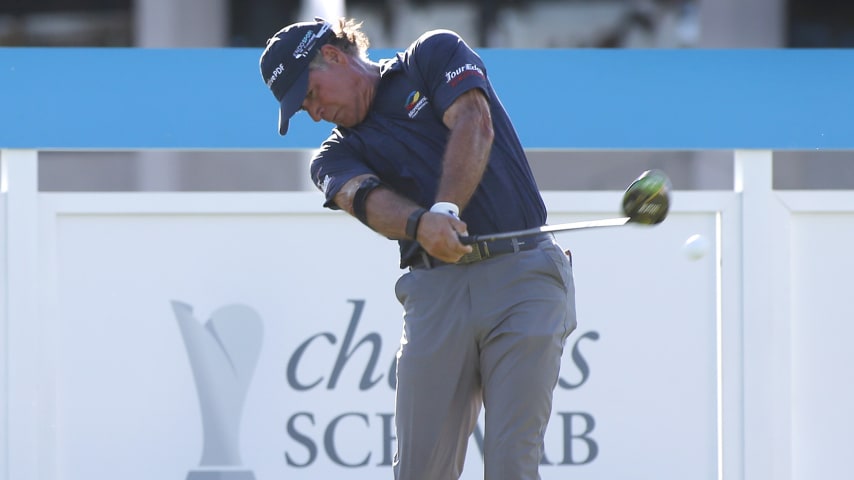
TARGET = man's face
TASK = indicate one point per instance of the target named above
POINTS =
(333, 94)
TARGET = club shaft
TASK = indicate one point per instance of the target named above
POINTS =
(560, 227)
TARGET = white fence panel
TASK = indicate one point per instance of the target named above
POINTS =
(118, 394)
(822, 235)
(766, 335)
(108, 370)
(654, 365)
(23, 378)
(4, 345)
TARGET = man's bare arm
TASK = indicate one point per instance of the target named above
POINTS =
(469, 143)
(388, 212)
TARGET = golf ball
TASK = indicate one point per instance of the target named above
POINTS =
(695, 247)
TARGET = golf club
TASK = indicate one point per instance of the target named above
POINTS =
(646, 201)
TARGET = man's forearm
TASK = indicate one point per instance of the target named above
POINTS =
(386, 210)
(467, 151)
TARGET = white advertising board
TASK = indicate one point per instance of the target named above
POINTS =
(261, 345)
(4, 394)
(822, 381)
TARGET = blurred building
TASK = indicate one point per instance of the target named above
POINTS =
(395, 23)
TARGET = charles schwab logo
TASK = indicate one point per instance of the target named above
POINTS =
(312, 441)
(456, 76)
(224, 352)
(223, 355)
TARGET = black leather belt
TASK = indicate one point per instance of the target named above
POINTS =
(482, 251)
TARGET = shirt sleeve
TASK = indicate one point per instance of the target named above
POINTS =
(333, 166)
(449, 67)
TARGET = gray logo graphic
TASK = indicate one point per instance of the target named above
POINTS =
(223, 355)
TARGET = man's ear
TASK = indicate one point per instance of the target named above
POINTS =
(332, 54)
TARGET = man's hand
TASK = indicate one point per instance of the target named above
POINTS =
(439, 235)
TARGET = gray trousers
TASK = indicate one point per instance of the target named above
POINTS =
(489, 333)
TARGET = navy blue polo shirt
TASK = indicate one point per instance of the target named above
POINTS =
(402, 139)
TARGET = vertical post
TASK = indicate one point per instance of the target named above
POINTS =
(4, 348)
(727, 23)
(765, 320)
(20, 454)
(165, 24)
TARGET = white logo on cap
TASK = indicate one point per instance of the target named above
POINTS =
(324, 185)
(276, 72)
(308, 41)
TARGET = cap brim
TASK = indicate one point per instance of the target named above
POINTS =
(292, 101)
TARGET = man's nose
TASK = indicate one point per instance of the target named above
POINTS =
(313, 110)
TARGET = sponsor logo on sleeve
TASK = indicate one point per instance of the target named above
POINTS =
(456, 76)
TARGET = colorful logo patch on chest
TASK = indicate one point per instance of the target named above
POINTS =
(414, 103)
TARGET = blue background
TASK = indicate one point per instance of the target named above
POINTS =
(125, 98)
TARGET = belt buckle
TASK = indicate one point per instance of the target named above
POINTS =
(475, 255)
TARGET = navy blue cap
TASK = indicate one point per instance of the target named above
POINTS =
(284, 64)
